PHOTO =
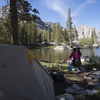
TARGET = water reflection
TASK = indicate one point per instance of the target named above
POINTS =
(52, 55)
(88, 52)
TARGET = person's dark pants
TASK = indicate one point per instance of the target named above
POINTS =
(76, 63)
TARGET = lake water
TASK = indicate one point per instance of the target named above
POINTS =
(52, 55)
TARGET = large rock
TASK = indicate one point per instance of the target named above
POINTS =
(82, 69)
(84, 30)
(75, 89)
(65, 96)
(44, 25)
(4, 11)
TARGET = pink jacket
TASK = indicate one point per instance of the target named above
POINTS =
(75, 56)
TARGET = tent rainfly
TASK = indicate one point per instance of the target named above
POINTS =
(22, 77)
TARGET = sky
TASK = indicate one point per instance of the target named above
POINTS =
(83, 12)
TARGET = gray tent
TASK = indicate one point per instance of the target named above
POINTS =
(22, 77)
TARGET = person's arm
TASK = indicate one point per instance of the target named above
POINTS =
(70, 57)
(80, 56)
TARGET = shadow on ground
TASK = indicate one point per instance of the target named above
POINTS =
(70, 79)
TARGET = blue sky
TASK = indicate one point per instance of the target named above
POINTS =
(83, 12)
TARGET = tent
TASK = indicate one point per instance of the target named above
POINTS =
(22, 77)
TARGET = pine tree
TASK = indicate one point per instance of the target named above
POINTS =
(48, 35)
(44, 36)
(40, 37)
(14, 17)
(69, 22)
(84, 40)
(93, 37)
(23, 35)
(14, 22)
(75, 33)
(69, 26)
(34, 33)
(87, 39)
(5, 31)
(58, 34)
(24, 8)
(65, 36)
(53, 31)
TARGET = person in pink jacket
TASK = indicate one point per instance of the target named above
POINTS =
(76, 55)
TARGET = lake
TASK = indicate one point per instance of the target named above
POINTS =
(52, 55)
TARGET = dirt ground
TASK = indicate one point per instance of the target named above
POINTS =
(59, 87)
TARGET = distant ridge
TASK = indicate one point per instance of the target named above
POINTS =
(4, 11)
(86, 30)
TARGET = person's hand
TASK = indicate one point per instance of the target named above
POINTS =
(70, 61)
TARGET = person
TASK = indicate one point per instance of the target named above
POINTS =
(76, 55)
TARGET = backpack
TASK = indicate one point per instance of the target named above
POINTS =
(57, 76)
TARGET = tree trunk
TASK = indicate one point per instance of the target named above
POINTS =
(14, 22)
(70, 42)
